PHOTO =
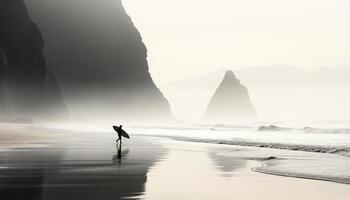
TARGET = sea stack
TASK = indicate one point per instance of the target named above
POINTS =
(28, 89)
(230, 102)
(98, 56)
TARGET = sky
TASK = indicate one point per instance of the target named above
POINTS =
(189, 40)
(190, 37)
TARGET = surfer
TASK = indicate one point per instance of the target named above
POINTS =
(119, 131)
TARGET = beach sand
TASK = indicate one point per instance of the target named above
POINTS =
(92, 166)
(16, 135)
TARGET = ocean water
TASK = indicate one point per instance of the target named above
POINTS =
(324, 137)
(318, 150)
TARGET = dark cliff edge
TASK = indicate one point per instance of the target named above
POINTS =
(230, 102)
(98, 56)
(28, 90)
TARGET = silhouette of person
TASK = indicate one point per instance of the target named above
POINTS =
(119, 134)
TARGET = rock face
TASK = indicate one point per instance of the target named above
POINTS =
(230, 102)
(99, 58)
(27, 88)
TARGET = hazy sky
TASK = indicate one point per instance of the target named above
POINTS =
(190, 37)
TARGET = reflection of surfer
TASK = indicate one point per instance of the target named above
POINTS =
(119, 131)
(119, 147)
(117, 158)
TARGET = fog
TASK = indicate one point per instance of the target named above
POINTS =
(293, 56)
(187, 38)
(278, 93)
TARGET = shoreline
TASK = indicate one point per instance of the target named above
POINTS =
(262, 160)
(300, 176)
(155, 168)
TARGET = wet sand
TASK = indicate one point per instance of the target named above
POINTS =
(91, 167)
(15, 135)
(94, 167)
(221, 172)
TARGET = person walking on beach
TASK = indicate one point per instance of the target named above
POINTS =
(119, 131)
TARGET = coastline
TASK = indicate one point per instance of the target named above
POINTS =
(89, 165)
(300, 176)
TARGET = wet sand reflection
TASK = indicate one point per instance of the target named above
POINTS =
(78, 172)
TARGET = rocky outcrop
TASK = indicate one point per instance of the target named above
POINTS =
(27, 88)
(230, 102)
(99, 58)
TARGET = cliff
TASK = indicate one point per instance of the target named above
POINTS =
(230, 102)
(99, 58)
(27, 88)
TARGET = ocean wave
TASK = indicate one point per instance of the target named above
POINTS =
(326, 130)
(272, 128)
(262, 128)
(342, 150)
(305, 129)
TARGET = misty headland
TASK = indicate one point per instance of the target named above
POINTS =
(99, 63)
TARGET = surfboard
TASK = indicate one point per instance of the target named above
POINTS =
(122, 132)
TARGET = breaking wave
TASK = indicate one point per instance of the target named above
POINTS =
(288, 136)
(326, 130)
(272, 128)
(343, 150)
(306, 129)
(262, 128)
